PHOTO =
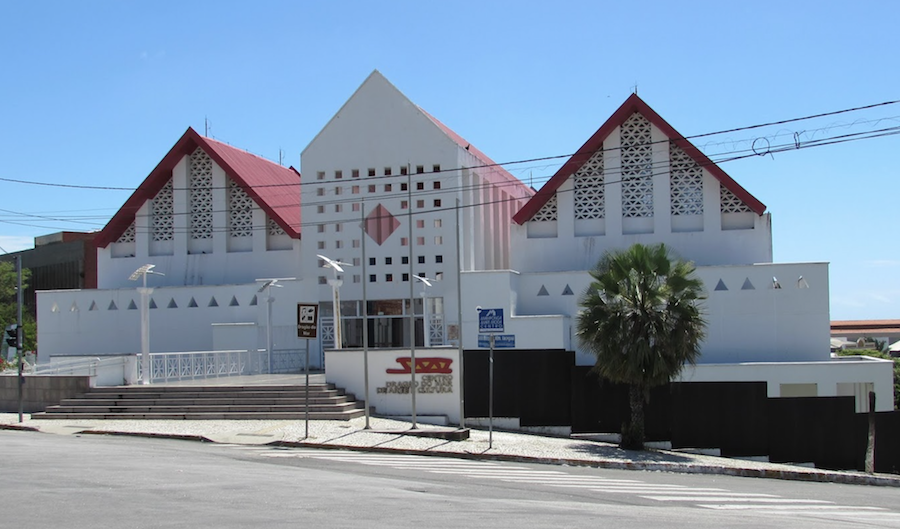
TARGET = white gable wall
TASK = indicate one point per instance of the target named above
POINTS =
(182, 262)
(379, 129)
(569, 244)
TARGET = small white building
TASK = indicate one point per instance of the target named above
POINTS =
(394, 193)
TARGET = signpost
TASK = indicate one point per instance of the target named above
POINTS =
(307, 327)
(490, 321)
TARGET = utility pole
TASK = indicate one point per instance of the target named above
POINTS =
(19, 332)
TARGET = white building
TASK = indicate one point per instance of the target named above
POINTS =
(392, 192)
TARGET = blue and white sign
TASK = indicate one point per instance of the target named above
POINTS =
(501, 341)
(490, 320)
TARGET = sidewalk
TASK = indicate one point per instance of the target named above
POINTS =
(386, 435)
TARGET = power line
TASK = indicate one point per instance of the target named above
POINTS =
(502, 164)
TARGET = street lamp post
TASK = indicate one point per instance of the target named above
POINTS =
(426, 282)
(335, 283)
(145, 318)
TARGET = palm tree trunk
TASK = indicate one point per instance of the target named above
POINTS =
(633, 433)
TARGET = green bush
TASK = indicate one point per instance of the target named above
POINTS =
(879, 354)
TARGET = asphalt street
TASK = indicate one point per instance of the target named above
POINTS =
(96, 481)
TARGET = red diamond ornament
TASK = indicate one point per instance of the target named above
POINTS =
(380, 224)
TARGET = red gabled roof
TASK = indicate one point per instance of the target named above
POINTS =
(630, 106)
(483, 158)
(276, 189)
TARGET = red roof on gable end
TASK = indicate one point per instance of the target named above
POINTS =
(276, 189)
(474, 151)
(630, 106)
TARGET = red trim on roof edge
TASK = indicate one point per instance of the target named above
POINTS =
(216, 150)
(595, 142)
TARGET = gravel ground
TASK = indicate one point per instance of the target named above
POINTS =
(391, 435)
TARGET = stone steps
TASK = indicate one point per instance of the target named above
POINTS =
(208, 402)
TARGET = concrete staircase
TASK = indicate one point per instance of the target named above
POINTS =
(208, 402)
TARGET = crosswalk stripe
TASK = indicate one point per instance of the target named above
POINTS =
(782, 508)
(738, 499)
(703, 497)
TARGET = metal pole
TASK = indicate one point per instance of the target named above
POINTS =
(870, 445)
(336, 308)
(145, 331)
(412, 301)
(19, 333)
(306, 434)
(426, 325)
(491, 395)
(365, 313)
(269, 301)
(459, 330)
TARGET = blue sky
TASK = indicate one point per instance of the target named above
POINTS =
(96, 92)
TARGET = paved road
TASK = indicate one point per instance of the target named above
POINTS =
(98, 482)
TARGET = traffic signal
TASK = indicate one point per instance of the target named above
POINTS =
(12, 335)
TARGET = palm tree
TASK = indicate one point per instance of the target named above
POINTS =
(641, 319)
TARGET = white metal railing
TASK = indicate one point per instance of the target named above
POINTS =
(74, 366)
(165, 367)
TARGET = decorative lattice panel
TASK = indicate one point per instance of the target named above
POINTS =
(127, 235)
(637, 167)
(731, 203)
(685, 183)
(589, 189)
(240, 211)
(162, 213)
(273, 228)
(548, 212)
(201, 199)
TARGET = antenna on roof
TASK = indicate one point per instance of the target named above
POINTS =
(206, 126)
(280, 156)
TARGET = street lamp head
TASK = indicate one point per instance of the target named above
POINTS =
(137, 274)
(425, 280)
(331, 263)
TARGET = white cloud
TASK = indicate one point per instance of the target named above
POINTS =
(882, 263)
(16, 243)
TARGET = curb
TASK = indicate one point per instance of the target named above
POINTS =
(790, 475)
(18, 427)
(175, 436)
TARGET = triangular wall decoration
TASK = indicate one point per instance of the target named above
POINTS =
(543, 291)
(213, 302)
(93, 306)
(172, 304)
(748, 285)
(721, 285)
(132, 306)
(73, 308)
(234, 302)
(152, 303)
(253, 302)
(568, 291)
(112, 305)
(193, 303)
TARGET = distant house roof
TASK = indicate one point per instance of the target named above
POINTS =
(868, 327)
(483, 158)
(276, 189)
(630, 106)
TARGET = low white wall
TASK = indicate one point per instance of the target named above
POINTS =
(825, 375)
(438, 393)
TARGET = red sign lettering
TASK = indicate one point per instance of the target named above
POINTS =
(424, 366)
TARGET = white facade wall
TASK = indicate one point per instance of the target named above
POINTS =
(101, 322)
(758, 324)
(848, 376)
(439, 392)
